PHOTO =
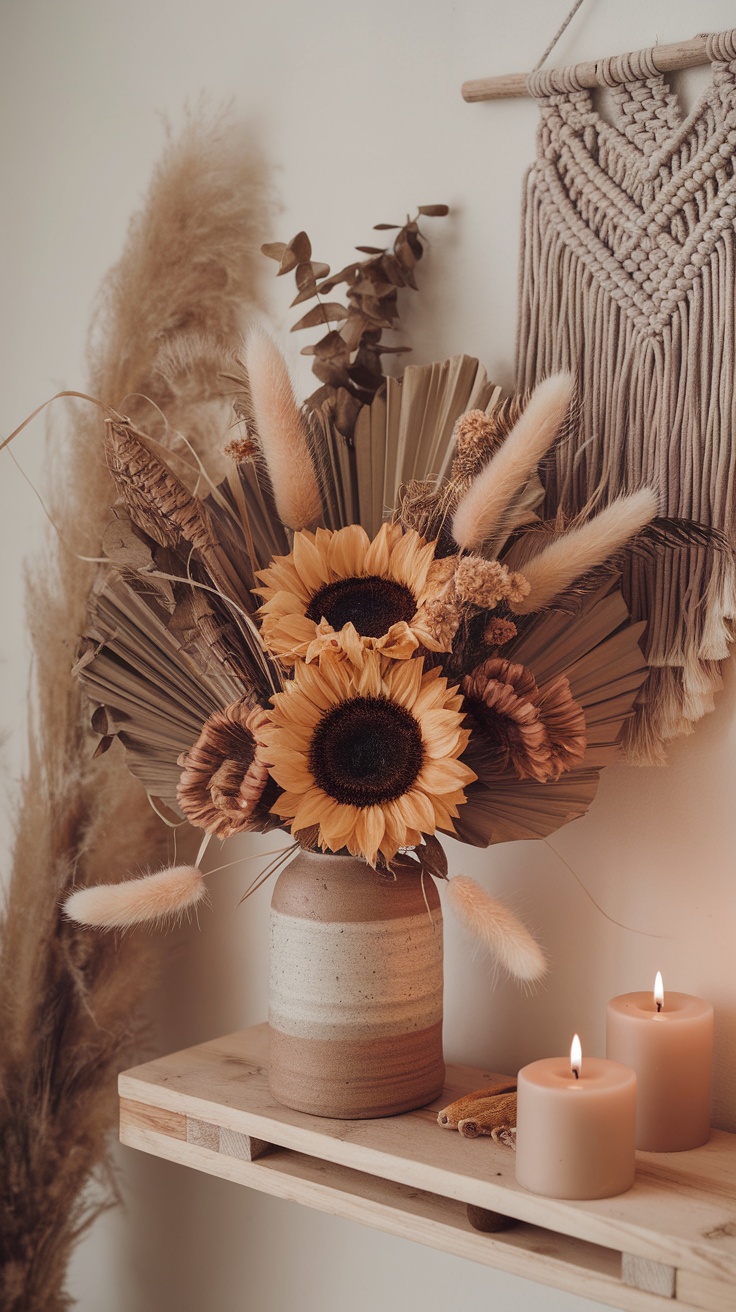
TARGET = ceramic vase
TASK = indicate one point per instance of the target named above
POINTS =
(355, 1002)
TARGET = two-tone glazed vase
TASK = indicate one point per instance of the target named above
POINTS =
(355, 1005)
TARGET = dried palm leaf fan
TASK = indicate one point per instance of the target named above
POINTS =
(628, 276)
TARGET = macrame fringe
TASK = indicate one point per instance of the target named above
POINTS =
(629, 281)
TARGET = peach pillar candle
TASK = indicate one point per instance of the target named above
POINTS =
(575, 1127)
(668, 1040)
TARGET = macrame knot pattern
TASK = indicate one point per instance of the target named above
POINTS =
(629, 280)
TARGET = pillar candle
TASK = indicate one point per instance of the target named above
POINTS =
(669, 1043)
(575, 1127)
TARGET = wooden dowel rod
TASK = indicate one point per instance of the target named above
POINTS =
(680, 54)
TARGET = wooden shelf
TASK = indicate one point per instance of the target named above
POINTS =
(670, 1241)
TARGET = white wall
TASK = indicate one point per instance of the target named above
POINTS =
(359, 108)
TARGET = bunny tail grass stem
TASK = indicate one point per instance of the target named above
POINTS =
(282, 432)
(581, 549)
(482, 507)
(152, 898)
(494, 925)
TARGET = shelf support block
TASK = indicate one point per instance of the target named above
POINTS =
(643, 1273)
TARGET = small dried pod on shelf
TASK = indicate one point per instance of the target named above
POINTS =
(474, 1104)
(494, 1117)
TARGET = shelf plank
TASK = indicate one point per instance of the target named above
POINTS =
(676, 1228)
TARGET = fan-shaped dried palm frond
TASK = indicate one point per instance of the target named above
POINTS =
(407, 436)
(598, 653)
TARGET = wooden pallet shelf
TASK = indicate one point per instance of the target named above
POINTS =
(670, 1241)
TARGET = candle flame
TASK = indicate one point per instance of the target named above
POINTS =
(659, 992)
(576, 1056)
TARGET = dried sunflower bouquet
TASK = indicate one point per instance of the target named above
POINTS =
(369, 633)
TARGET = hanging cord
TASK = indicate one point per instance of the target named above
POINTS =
(566, 22)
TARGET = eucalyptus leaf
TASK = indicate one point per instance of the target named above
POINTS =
(330, 312)
(301, 246)
(273, 249)
(331, 347)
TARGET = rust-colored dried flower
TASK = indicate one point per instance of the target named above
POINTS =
(222, 779)
(516, 726)
(498, 631)
(241, 449)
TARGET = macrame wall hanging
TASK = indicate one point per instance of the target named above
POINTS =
(628, 277)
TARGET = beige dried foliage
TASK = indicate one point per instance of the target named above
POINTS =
(495, 926)
(583, 548)
(172, 310)
(69, 996)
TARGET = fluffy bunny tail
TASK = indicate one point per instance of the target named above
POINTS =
(137, 901)
(494, 925)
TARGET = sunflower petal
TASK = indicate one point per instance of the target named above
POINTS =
(347, 551)
(308, 561)
(370, 828)
(440, 733)
(379, 552)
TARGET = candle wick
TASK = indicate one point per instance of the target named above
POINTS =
(576, 1073)
(659, 1005)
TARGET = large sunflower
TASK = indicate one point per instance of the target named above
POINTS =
(368, 754)
(339, 592)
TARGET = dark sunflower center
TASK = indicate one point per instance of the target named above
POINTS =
(372, 604)
(366, 751)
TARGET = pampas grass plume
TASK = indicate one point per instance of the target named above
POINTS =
(481, 509)
(494, 925)
(282, 432)
(583, 548)
(134, 901)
